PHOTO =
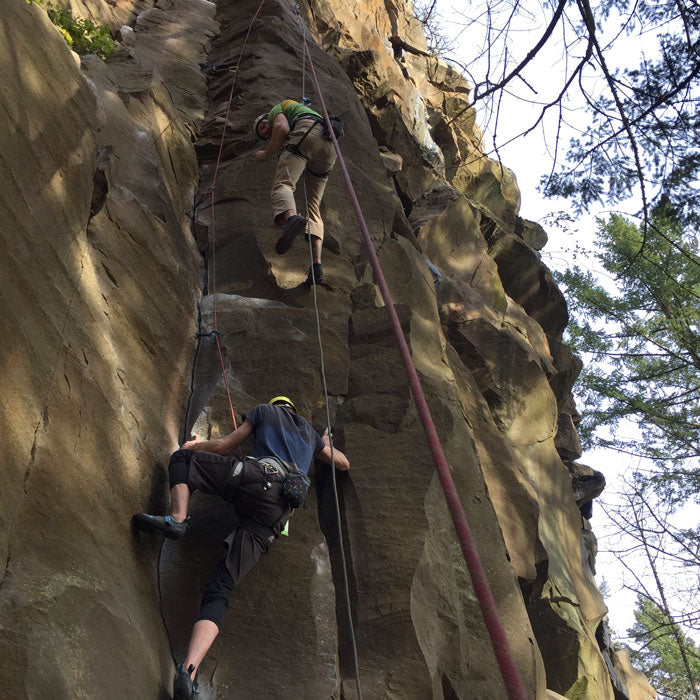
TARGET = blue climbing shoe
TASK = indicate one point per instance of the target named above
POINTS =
(164, 524)
(183, 687)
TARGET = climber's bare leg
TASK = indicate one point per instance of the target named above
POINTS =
(203, 635)
(179, 500)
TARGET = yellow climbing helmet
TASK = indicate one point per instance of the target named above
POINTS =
(283, 401)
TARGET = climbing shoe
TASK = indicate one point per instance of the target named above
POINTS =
(183, 687)
(293, 227)
(164, 524)
(315, 275)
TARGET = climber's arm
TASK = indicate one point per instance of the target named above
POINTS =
(224, 445)
(342, 463)
(280, 129)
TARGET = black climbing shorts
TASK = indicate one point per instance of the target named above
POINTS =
(259, 503)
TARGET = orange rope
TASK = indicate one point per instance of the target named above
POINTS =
(212, 189)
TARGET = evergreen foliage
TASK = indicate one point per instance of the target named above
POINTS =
(659, 656)
(644, 130)
(643, 336)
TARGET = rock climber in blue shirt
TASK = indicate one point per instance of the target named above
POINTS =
(283, 443)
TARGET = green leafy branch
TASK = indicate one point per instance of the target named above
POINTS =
(82, 35)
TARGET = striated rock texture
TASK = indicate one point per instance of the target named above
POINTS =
(99, 292)
(130, 236)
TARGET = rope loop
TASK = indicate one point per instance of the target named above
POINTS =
(212, 336)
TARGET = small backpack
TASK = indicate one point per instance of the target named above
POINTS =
(295, 486)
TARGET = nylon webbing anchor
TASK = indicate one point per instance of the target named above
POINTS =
(213, 68)
(211, 336)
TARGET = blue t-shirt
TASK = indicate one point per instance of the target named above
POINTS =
(281, 433)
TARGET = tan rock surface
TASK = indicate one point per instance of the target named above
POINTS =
(100, 288)
(635, 681)
(97, 271)
(528, 281)
(114, 13)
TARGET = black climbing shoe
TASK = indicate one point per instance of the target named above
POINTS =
(315, 275)
(183, 687)
(164, 524)
(293, 227)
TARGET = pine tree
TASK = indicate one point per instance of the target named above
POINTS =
(658, 654)
(641, 338)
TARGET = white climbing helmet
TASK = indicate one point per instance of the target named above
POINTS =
(257, 121)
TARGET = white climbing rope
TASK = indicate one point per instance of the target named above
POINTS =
(348, 603)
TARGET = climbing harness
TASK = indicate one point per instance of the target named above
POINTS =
(295, 147)
(295, 483)
(337, 126)
(509, 671)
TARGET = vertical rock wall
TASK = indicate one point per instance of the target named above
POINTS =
(109, 275)
(99, 294)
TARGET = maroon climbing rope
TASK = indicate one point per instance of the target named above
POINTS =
(499, 641)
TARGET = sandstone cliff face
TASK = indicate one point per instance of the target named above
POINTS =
(107, 280)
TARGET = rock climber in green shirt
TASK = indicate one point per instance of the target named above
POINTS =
(298, 131)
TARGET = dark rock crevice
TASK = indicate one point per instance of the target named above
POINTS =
(558, 644)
